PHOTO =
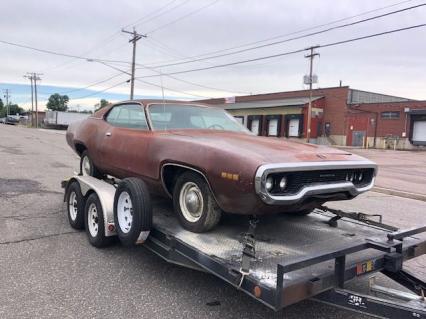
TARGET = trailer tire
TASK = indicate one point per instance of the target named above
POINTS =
(87, 167)
(94, 222)
(75, 205)
(195, 204)
(132, 210)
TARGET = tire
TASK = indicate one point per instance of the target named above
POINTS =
(94, 222)
(87, 167)
(132, 210)
(199, 218)
(75, 205)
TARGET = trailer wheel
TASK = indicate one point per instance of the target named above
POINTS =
(87, 167)
(75, 205)
(194, 203)
(132, 210)
(94, 222)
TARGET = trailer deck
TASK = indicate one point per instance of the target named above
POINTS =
(284, 259)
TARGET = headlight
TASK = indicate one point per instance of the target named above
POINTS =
(269, 183)
(283, 183)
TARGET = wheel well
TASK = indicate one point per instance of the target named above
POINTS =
(80, 148)
(170, 173)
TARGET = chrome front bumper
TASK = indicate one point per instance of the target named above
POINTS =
(319, 189)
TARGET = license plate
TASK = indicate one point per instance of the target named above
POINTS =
(364, 267)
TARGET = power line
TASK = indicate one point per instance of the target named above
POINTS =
(97, 92)
(294, 38)
(184, 16)
(24, 46)
(87, 86)
(173, 77)
(161, 14)
(292, 33)
(287, 53)
(153, 84)
(172, 90)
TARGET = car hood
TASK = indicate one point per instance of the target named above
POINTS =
(262, 149)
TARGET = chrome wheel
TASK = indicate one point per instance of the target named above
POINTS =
(72, 203)
(93, 220)
(125, 212)
(191, 202)
(85, 166)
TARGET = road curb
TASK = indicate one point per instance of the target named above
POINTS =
(399, 193)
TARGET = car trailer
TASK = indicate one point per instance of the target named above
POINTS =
(283, 259)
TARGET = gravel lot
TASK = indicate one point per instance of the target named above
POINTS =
(48, 270)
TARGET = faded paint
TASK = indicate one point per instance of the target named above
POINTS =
(142, 153)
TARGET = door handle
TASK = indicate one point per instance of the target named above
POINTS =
(108, 133)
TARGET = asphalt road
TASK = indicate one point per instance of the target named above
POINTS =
(49, 270)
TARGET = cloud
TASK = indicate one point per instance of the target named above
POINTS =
(391, 64)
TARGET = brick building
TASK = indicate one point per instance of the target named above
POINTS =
(340, 116)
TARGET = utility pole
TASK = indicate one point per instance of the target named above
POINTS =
(7, 96)
(311, 62)
(30, 77)
(135, 37)
(35, 79)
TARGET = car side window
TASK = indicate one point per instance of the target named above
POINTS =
(129, 116)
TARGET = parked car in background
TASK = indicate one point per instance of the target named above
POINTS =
(2, 120)
(12, 119)
(208, 163)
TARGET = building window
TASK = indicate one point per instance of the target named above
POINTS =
(240, 119)
(254, 124)
(273, 125)
(391, 115)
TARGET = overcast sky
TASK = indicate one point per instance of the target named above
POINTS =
(392, 64)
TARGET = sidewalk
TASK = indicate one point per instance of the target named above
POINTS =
(401, 173)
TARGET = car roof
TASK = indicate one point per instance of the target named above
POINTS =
(100, 113)
(161, 101)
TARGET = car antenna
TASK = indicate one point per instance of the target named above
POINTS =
(162, 89)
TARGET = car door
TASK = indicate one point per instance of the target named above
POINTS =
(125, 144)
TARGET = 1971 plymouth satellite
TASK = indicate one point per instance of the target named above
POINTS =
(208, 163)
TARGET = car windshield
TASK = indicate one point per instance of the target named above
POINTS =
(181, 116)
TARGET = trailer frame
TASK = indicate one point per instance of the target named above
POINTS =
(321, 276)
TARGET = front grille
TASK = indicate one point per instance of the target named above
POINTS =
(297, 180)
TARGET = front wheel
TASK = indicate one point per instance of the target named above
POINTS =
(194, 203)
(87, 167)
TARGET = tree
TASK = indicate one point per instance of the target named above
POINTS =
(104, 103)
(58, 102)
(12, 108)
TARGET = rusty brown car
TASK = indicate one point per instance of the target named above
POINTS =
(208, 163)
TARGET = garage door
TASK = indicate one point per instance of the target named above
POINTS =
(419, 131)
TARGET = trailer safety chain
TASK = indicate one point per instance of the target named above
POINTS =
(249, 250)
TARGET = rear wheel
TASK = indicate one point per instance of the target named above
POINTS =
(75, 205)
(87, 167)
(94, 222)
(194, 203)
(132, 211)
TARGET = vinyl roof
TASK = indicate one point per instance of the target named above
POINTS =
(300, 101)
